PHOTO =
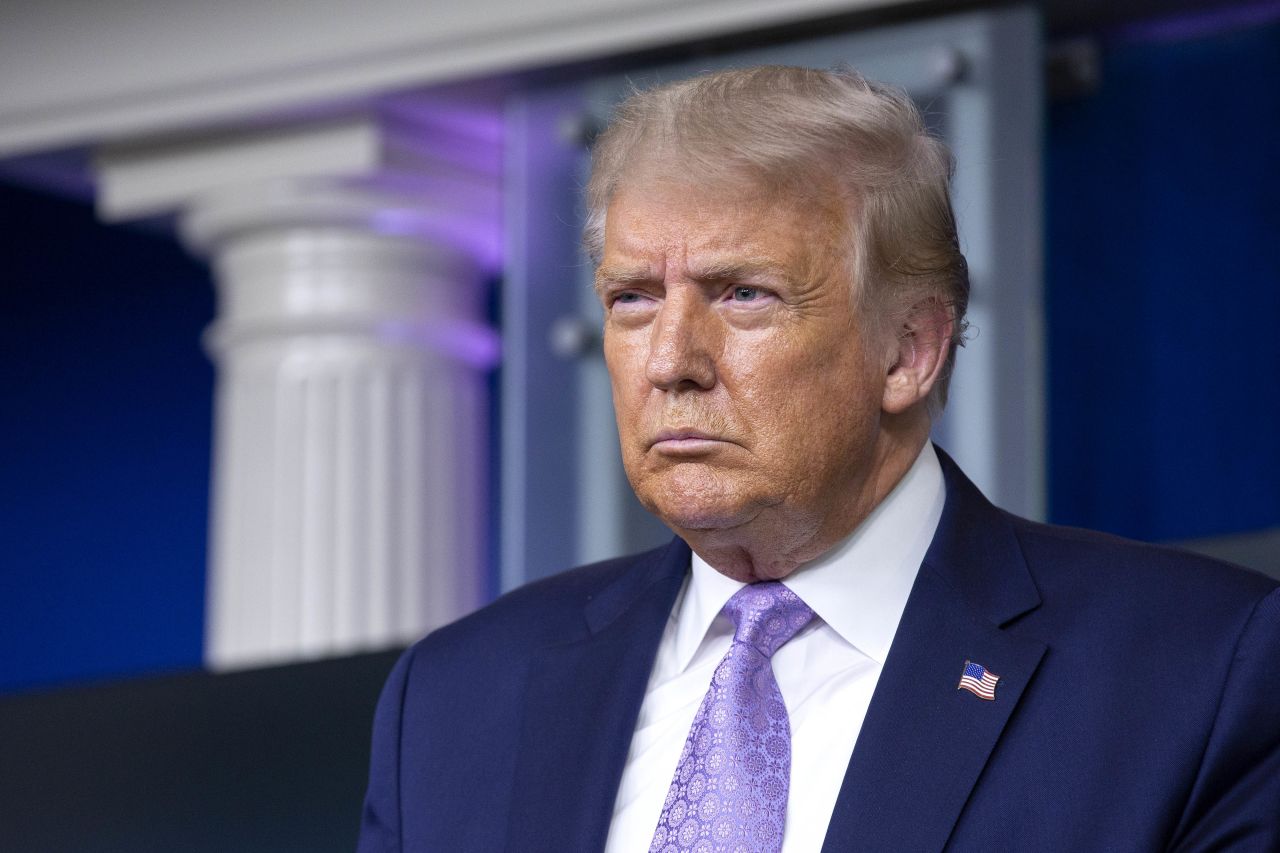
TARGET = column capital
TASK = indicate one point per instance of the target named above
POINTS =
(432, 175)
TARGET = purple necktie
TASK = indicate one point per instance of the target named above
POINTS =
(730, 788)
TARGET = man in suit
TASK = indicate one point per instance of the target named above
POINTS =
(846, 647)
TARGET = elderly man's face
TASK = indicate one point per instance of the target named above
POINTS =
(744, 383)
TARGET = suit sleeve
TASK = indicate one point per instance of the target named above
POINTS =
(1235, 801)
(380, 823)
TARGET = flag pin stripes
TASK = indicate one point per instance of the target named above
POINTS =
(978, 680)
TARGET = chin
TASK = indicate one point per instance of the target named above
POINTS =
(696, 503)
(703, 518)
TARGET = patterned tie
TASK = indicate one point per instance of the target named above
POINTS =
(730, 788)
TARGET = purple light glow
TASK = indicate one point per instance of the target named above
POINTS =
(471, 343)
(476, 237)
(1201, 24)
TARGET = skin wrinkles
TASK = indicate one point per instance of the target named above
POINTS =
(732, 333)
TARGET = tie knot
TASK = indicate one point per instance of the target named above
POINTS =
(766, 615)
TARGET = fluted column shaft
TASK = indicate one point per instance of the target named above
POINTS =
(350, 443)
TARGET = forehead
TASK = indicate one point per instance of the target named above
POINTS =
(702, 225)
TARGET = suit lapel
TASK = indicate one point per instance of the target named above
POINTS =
(581, 704)
(924, 743)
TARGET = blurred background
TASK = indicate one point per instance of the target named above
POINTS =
(299, 358)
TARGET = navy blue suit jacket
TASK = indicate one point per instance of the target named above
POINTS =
(1138, 706)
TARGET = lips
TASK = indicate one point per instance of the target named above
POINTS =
(682, 434)
(687, 443)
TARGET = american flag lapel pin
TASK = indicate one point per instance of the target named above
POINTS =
(978, 680)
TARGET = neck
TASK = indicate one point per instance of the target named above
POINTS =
(782, 539)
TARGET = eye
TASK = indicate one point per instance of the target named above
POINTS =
(629, 301)
(746, 294)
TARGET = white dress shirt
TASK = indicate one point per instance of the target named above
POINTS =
(826, 673)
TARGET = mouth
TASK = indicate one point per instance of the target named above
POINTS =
(685, 441)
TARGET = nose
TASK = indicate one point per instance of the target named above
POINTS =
(682, 346)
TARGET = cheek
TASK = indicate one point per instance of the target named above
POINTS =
(810, 400)
(625, 364)
(618, 358)
(776, 375)
(846, 409)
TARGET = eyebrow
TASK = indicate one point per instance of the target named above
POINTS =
(711, 272)
(741, 269)
(618, 275)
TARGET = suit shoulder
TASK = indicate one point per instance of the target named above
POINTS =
(546, 609)
(1160, 576)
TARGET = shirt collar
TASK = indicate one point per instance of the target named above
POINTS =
(859, 587)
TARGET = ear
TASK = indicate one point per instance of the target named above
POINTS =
(923, 342)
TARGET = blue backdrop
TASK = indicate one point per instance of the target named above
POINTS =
(1164, 290)
(105, 407)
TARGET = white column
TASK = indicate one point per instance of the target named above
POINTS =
(350, 443)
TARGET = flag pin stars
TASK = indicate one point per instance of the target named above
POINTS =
(978, 680)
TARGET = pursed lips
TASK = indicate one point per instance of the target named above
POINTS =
(685, 439)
